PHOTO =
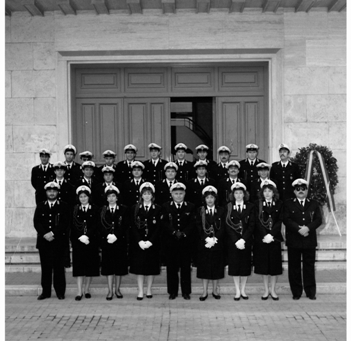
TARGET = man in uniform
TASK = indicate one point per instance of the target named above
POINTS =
(154, 167)
(162, 193)
(285, 172)
(108, 176)
(185, 168)
(202, 153)
(131, 187)
(263, 174)
(302, 217)
(221, 169)
(124, 168)
(248, 170)
(86, 156)
(73, 171)
(41, 175)
(51, 220)
(88, 168)
(179, 225)
(109, 157)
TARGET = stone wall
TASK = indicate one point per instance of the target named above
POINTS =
(313, 47)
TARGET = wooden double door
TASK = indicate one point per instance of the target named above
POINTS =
(114, 107)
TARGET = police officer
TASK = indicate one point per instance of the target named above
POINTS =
(67, 190)
(162, 193)
(51, 222)
(179, 226)
(41, 175)
(202, 153)
(124, 168)
(73, 171)
(263, 174)
(221, 170)
(185, 168)
(154, 167)
(109, 157)
(88, 168)
(131, 187)
(302, 217)
(248, 170)
(285, 172)
(86, 156)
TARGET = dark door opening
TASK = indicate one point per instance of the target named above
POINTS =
(192, 123)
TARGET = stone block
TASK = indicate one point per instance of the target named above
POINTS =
(325, 52)
(24, 194)
(32, 138)
(337, 80)
(22, 84)
(25, 28)
(324, 108)
(8, 138)
(7, 29)
(9, 193)
(337, 135)
(295, 52)
(8, 84)
(44, 83)
(295, 109)
(328, 226)
(341, 158)
(306, 80)
(19, 111)
(19, 222)
(19, 165)
(337, 24)
(45, 111)
(44, 56)
(341, 190)
(299, 135)
(19, 56)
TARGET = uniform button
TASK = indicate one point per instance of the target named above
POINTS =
(49, 215)
(49, 221)
(283, 182)
(303, 212)
(178, 219)
(283, 176)
(283, 187)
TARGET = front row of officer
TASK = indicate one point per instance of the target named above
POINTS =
(217, 230)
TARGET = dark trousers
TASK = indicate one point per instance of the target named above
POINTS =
(175, 261)
(52, 270)
(308, 280)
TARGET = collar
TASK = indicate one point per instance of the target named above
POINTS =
(267, 201)
(52, 202)
(210, 208)
(224, 164)
(86, 206)
(198, 179)
(177, 204)
(181, 162)
(115, 206)
(284, 163)
(135, 180)
(57, 180)
(87, 180)
(239, 203)
(267, 178)
(173, 181)
(155, 161)
(250, 161)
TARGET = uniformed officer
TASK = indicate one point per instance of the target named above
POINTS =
(73, 171)
(285, 172)
(131, 187)
(202, 153)
(154, 167)
(124, 168)
(162, 193)
(263, 174)
(109, 157)
(51, 220)
(88, 168)
(41, 175)
(185, 170)
(221, 169)
(224, 185)
(197, 184)
(179, 228)
(302, 217)
(67, 190)
(86, 156)
(248, 170)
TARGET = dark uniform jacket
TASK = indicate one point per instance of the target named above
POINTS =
(194, 190)
(123, 172)
(219, 172)
(100, 195)
(255, 189)
(66, 193)
(162, 192)
(210, 168)
(185, 172)
(39, 179)
(152, 173)
(249, 173)
(131, 193)
(74, 174)
(224, 190)
(295, 215)
(93, 187)
(284, 178)
(55, 220)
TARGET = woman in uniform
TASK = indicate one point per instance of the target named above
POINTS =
(114, 225)
(145, 239)
(210, 220)
(240, 224)
(85, 241)
(268, 237)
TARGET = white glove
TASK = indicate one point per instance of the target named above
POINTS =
(111, 238)
(240, 244)
(142, 245)
(208, 245)
(268, 238)
(147, 244)
(84, 239)
(207, 240)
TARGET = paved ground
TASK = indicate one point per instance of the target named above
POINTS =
(161, 319)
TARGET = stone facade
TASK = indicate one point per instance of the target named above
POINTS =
(312, 47)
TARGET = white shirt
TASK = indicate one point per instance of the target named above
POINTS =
(52, 203)
(199, 180)
(59, 181)
(264, 179)
(235, 180)
(169, 182)
(88, 180)
(284, 163)
(113, 207)
(177, 204)
(251, 161)
(135, 181)
(211, 210)
(225, 165)
(301, 201)
(239, 203)
(154, 162)
(180, 162)
(85, 207)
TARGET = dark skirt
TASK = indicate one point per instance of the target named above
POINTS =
(85, 259)
(145, 262)
(210, 262)
(268, 258)
(239, 261)
(114, 259)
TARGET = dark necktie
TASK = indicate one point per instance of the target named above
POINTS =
(60, 182)
(269, 204)
(233, 182)
(146, 209)
(69, 167)
(112, 210)
(239, 209)
(284, 165)
(202, 182)
(51, 206)
(179, 207)
(170, 184)
(211, 214)
(301, 203)
(137, 182)
(83, 208)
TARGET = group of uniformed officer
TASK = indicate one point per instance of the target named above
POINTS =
(52, 225)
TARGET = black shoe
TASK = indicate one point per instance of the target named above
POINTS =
(172, 296)
(264, 298)
(245, 297)
(202, 298)
(87, 295)
(274, 298)
(312, 297)
(118, 295)
(140, 298)
(42, 297)
(217, 297)
(296, 298)
(149, 296)
(109, 298)
(186, 296)
(237, 298)
(78, 298)
(61, 297)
